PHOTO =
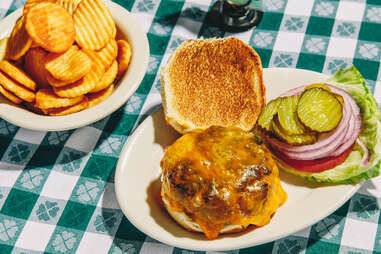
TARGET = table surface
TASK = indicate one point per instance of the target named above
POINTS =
(57, 188)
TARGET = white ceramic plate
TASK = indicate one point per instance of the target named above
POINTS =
(137, 184)
(127, 28)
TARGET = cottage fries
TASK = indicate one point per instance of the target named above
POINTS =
(62, 56)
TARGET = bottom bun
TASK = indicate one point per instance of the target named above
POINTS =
(187, 222)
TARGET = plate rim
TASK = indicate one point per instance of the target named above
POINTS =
(126, 88)
(118, 190)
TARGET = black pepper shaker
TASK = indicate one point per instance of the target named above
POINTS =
(236, 15)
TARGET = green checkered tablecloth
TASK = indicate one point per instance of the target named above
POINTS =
(57, 188)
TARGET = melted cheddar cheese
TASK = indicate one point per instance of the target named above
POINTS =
(221, 176)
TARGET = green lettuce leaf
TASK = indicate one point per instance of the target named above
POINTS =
(350, 171)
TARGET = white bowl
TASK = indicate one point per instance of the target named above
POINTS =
(129, 28)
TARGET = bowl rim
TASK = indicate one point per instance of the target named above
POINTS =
(127, 85)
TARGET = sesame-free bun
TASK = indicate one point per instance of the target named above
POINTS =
(212, 82)
(185, 221)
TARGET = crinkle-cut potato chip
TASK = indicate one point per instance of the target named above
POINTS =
(69, 66)
(46, 98)
(51, 27)
(17, 74)
(19, 63)
(94, 58)
(109, 53)
(32, 107)
(95, 98)
(17, 89)
(94, 25)
(56, 82)
(81, 87)
(19, 41)
(71, 109)
(87, 83)
(3, 47)
(69, 5)
(34, 45)
(30, 3)
(34, 65)
(124, 56)
(114, 31)
(107, 79)
(45, 111)
(10, 96)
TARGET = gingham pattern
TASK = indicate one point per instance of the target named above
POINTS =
(57, 188)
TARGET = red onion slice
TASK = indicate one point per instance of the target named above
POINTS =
(321, 152)
(351, 136)
(294, 91)
(347, 96)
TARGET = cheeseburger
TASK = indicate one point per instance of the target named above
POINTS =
(220, 180)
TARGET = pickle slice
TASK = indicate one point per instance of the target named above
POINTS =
(319, 110)
(318, 85)
(340, 99)
(268, 113)
(296, 139)
(325, 87)
(287, 116)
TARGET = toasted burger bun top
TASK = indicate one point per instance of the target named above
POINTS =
(212, 82)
